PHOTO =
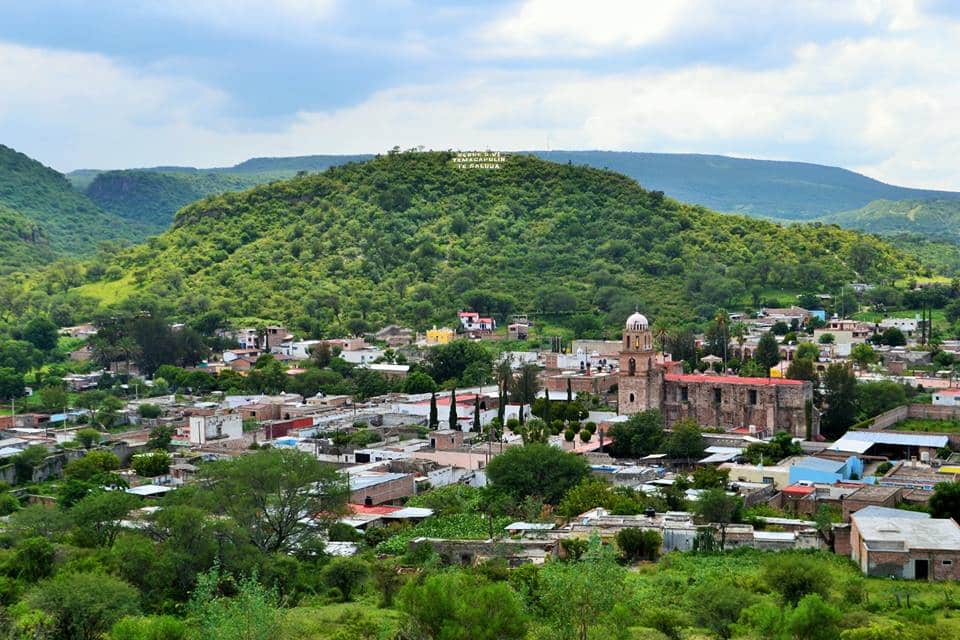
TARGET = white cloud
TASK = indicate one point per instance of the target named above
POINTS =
(883, 104)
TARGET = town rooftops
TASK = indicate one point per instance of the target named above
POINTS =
(819, 464)
(895, 530)
(732, 380)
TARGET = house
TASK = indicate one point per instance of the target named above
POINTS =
(264, 339)
(472, 322)
(443, 335)
(379, 487)
(947, 398)
(227, 426)
(904, 544)
(825, 471)
(906, 325)
(367, 355)
(518, 331)
(296, 349)
(896, 446)
(387, 370)
(248, 352)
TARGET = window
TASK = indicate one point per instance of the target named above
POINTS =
(717, 395)
(632, 367)
(753, 397)
(631, 398)
(767, 480)
(684, 394)
(947, 563)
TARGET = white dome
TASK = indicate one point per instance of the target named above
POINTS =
(637, 322)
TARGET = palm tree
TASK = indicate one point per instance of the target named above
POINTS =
(660, 334)
(739, 331)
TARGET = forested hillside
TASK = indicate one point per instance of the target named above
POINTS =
(22, 242)
(409, 237)
(72, 223)
(152, 197)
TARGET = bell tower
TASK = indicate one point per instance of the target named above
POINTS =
(640, 378)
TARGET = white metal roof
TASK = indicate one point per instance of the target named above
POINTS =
(149, 490)
(860, 441)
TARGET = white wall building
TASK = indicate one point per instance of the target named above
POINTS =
(228, 426)
(947, 398)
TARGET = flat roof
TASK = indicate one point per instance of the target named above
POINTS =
(409, 512)
(873, 492)
(149, 490)
(819, 464)
(529, 526)
(372, 479)
(909, 532)
(853, 440)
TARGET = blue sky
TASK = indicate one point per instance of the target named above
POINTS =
(863, 84)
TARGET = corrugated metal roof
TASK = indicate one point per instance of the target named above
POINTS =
(882, 437)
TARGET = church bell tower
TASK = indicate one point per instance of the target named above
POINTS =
(639, 386)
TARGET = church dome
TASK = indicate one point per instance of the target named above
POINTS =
(637, 322)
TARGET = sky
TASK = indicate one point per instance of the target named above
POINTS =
(867, 85)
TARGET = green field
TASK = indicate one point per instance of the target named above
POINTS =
(108, 291)
(928, 426)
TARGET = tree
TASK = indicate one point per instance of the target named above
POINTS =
(33, 560)
(88, 437)
(98, 516)
(813, 619)
(802, 369)
(797, 578)
(638, 436)
(83, 606)
(53, 398)
(253, 613)
(639, 544)
(715, 506)
(149, 411)
(537, 470)
(709, 477)
(893, 337)
(452, 416)
(434, 421)
(450, 361)
(11, 384)
(459, 606)
(41, 333)
(268, 492)
(160, 437)
(807, 350)
(685, 441)
(525, 387)
(945, 501)
(476, 414)
(863, 354)
(874, 398)
(107, 413)
(827, 338)
(347, 575)
(28, 460)
(91, 464)
(840, 400)
(768, 352)
(717, 605)
(419, 382)
(152, 463)
(579, 596)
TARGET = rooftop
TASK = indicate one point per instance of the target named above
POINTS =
(732, 380)
(819, 464)
(367, 479)
(905, 530)
(861, 441)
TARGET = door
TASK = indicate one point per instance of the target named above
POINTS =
(921, 569)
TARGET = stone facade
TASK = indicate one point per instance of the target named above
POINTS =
(650, 380)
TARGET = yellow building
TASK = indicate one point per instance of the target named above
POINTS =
(443, 335)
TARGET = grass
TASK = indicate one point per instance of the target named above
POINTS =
(346, 620)
(928, 426)
(108, 292)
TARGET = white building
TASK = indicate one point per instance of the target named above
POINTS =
(368, 355)
(296, 349)
(947, 398)
(906, 325)
(227, 426)
(472, 321)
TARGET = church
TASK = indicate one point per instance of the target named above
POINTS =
(652, 380)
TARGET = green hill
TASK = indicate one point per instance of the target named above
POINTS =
(758, 188)
(22, 242)
(937, 218)
(410, 237)
(152, 197)
(69, 220)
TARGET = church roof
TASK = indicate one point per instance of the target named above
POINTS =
(750, 382)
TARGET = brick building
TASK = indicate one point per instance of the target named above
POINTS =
(905, 544)
(652, 380)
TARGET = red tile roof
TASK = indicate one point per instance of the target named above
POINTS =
(381, 510)
(753, 382)
(799, 490)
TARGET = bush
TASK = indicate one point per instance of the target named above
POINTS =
(585, 435)
(569, 435)
(347, 575)
(638, 544)
(796, 577)
(149, 411)
(342, 532)
(591, 427)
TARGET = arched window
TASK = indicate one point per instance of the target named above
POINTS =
(631, 398)
(632, 367)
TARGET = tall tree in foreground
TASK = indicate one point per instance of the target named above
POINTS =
(283, 500)
(434, 421)
(768, 352)
(714, 506)
(840, 400)
(476, 413)
(452, 416)
(537, 470)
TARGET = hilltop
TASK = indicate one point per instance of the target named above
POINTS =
(410, 237)
(758, 188)
(70, 222)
